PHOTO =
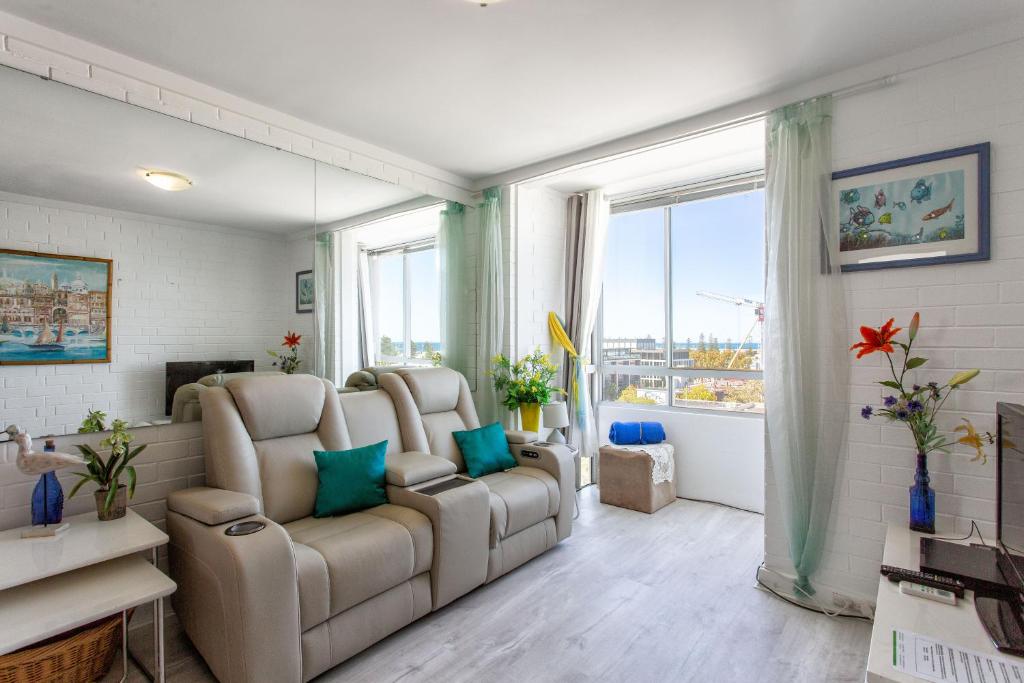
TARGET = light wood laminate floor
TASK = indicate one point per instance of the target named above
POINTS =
(628, 597)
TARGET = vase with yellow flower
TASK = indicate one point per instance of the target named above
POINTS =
(917, 406)
(526, 385)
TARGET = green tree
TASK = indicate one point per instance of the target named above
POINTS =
(751, 391)
(696, 392)
(388, 347)
(629, 395)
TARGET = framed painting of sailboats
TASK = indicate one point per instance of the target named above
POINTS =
(54, 308)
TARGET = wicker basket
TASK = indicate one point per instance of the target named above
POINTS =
(79, 656)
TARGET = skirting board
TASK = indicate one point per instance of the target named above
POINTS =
(833, 601)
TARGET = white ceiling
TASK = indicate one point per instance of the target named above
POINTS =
(477, 90)
(65, 144)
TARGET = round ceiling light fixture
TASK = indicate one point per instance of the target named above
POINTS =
(484, 3)
(168, 180)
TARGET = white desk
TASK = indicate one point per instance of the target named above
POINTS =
(956, 624)
(93, 570)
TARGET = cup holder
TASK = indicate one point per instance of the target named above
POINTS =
(244, 528)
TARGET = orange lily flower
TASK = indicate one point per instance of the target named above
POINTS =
(291, 340)
(876, 340)
(972, 439)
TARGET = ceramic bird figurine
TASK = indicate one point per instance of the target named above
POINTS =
(47, 496)
(34, 462)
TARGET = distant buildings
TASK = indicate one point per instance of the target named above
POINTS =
(26, 304)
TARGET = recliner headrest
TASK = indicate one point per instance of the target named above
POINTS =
(435, 390)
(276, 406)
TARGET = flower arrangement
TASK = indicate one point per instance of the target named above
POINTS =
(107, 473)
(289, 361)
(525, 381)
(917, 406)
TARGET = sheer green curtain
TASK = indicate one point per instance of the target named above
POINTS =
(491, 306)
(451, 255)
(806, 372)
(325, 307)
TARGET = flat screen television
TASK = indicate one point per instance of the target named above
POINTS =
(1010, 491)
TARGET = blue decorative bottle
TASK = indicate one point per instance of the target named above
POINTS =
(922, 499)
(48, 496)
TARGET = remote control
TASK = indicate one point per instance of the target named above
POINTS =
(927, 592)
(897, 574)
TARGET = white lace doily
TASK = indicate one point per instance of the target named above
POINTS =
(663, 455)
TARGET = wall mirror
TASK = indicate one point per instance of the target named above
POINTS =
(211, 255)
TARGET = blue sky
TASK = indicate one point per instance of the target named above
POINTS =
(424, 293)
(39, 270)
(717, 245)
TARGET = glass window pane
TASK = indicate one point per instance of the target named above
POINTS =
(425, 306)
(718, 282)
(388, 310)
(634, 307)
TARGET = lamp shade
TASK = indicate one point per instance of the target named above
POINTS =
(555, 415)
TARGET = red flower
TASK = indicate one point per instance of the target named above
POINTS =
(291, 340)
(876, 340)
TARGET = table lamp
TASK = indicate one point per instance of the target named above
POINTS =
(555, 417)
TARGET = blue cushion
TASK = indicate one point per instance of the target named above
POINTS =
(485, 450)
(350, 480)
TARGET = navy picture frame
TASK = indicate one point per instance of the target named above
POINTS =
(983, 151)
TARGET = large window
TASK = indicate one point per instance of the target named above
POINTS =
(683, 301)
(406, 307)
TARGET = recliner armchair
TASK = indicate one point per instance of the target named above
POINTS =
(531, 505)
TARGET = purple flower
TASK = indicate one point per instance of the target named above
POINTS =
(866, 411)
(914, 406)
(890, 401)
(917, 387)
(902, 414)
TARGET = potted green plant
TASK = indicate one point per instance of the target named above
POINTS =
(289, 362)
(112, 496)
(527, 385)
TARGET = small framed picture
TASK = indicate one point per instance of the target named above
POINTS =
(919, 211)
(304, 291)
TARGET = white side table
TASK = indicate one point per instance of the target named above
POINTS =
(93, 570)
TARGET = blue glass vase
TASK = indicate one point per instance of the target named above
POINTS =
(922, 499)
(47, 496)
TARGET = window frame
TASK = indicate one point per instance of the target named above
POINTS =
(405, 249)
(667, 198)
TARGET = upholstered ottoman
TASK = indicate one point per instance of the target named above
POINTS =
(630, 477)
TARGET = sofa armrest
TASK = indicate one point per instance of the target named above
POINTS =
(516, 436)
(558, 461)
(237, 597)
(461, 522)
(413, 467)
(212, 506)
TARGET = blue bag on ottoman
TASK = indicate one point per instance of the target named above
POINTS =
(633, 433)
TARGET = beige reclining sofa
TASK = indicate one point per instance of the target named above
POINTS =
(301, 595)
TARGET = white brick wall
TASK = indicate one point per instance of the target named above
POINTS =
(50, 54)
(180, 293)
(540, 276)
(972, 314)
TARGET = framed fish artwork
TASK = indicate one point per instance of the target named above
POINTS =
(918, 211)
(54, 308)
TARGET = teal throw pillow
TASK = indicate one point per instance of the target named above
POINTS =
(485, 450)
(350, 480)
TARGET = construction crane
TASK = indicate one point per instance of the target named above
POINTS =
(758, 307)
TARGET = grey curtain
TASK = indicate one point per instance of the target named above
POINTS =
(365, 299)
(586, 239)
